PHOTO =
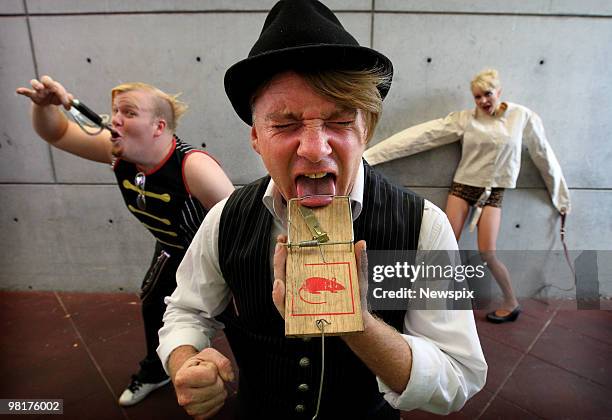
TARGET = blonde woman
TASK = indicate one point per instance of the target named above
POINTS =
(491, 137)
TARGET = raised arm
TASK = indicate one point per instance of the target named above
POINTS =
(418, 138)
(52, 125)
(545, 160)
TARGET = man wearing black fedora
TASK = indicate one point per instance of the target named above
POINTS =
(313, 97)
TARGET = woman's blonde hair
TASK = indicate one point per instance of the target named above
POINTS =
(165, 106)
(486, 80)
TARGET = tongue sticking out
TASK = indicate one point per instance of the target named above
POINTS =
(320, 190)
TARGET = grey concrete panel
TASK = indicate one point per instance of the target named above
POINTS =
(349, 4)
(529, 222)
(545, 7)
(10, 7)
(570, 90)
(604, 267)
(114, 6)
(70, 243)
(168, 59)
(433, 168)
(75, 6)
(23, 156)
(547, 274)
(71, 237)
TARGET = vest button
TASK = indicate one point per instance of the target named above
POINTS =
(304, 362)
(303, 387)
(300, 408)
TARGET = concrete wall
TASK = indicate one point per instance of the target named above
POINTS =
(63, 220)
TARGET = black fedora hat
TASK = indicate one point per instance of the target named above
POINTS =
(298, 35)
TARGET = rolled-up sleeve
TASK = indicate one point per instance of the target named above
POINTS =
(448, 365)
(200, 295)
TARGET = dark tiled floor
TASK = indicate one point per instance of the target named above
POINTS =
(552, 363)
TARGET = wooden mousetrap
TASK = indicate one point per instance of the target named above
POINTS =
(322, 287)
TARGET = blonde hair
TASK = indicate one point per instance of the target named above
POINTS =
(351, 89)
(486, 80)
(165, 106)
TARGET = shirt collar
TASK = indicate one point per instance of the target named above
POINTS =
(501, 110)
(275, 204)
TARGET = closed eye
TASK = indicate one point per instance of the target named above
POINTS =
(283, 126)
(342, 123)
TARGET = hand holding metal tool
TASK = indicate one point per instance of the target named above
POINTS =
(91, 116)
(47, 91)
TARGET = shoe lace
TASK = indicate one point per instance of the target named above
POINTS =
(135, 384)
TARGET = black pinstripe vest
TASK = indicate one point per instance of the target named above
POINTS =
(273, 370)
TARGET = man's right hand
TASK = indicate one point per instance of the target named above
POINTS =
(200, 383)
(47, 91)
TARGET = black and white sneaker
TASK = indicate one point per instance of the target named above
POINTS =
(137, 391)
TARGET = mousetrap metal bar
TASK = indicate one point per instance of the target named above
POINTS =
(319, 235)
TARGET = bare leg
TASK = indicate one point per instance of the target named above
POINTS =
(488, 228)
(457, 210)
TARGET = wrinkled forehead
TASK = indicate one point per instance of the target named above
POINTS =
(289, 94)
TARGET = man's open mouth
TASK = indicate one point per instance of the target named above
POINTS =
(316, 189)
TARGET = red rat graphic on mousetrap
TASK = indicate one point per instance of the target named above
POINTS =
(321, 281)
(317, 285)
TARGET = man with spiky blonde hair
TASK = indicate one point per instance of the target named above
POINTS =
(166, 183)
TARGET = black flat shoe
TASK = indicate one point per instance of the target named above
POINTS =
(511, 317)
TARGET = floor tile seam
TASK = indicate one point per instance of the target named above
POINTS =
(80, 314)
(571, 372)
(96, 305)
(511, 346)
(565, 327)
(89, 353)
(96, 341)
(125, 332)
(515, 366)
(515, 404)
(492, 337)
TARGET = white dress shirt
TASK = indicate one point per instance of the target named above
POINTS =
(490, 148)
(448, 365)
